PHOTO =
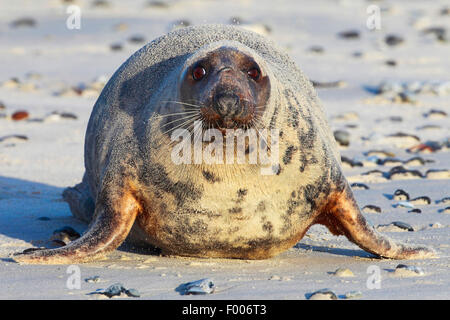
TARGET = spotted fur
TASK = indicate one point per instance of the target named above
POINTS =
(131, 187)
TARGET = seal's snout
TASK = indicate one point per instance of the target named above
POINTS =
(227, 104)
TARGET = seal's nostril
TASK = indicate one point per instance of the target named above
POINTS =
(227, 104)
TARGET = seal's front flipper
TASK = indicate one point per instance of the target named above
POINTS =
(115, 214)
(342, 217)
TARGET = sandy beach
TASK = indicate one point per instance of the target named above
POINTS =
(386, 93)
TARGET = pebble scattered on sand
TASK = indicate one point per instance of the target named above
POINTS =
(415, 211)
(346, 116)
(101, 4)
(351, 162)
(64, 235)
(342, 137)
(423, 200)
(371, 209)
(353, 295)
(322, 294)
(404, 204)
(349, 34)
(343, 272)
(316, 49)
(27, 22)
(136, 39)
(157, 4)
(396, 226)
(400, 173)
(438, 174)
(14, 138)
(400, 195)
(445, 210)
(116, 46)
(359, 186)
(330, 84)
(20, 115)
(393, 40)
(93, 279)
(117, 290)
(444, 200)
(379, 153)
(435, 114)
(403, 270)
(202, 286)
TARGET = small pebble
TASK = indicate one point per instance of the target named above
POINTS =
(415, 211)
(323, 294)
(404, 204)
(393, 40)
(391, 63)
(395, 226)
(435, 225)
(202, 286)
(20, 115)
(342, 137)
(116, 46)
(101, 4)
(136, 39)
(116, 290)
(23, 22)
(415, 161)
(316, 49)
(14, 137)
(403, 225)
(403, 270)
(359, 186)
(343, 272)
(353, 295)
(158, 4)
(371, 209)
(400, 173)
(350, 162)
(438, 174)
(349, 34)
(93, 279)
(420, 200)
(445, 210)
(389, 162)
(379, 153)
(133, 293)
(444, 200)
(433, 113)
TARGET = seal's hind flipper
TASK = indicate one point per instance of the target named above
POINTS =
(342, 217)
(114, 216)
(80, 201)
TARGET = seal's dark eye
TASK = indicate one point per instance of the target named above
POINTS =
(253, 73)
(198, 73)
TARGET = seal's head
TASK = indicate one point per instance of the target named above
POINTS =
(228, 85)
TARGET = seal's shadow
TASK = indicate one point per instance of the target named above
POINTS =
(337, 251)
(31, 211)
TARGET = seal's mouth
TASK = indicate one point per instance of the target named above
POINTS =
(214, 120)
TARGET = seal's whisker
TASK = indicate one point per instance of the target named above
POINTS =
(179, 119)
(173, 114)
(184, 103)
(191, 119)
